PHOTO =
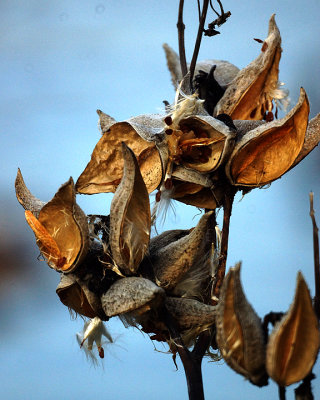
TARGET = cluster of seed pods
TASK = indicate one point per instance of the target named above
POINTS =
(111, 266)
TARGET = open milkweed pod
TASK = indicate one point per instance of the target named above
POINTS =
(200, 143)
(130, 218)
(172, 261)
(293, 345)
(131, 294)
(61, 230)
(75, 295)
(268, 151)
(104, 171)
(250, 94)
(25, 197)
(239, 332)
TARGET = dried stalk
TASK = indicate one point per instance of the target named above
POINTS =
(316, 258)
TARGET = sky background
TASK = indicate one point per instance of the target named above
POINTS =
(59, 62)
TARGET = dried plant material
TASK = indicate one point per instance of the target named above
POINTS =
(130, 219)
(105, 121)
(104, 172)
(75, 295)
(312, 138)
(204, 143)
(294, 343)
(25, 197)
(131, 294)
(225, 72)
(268, 151)
(189, 313)
(251, 93)
(239, 331)
(171, 262)
(61, 230)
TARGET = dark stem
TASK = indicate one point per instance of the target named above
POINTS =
(198, 40)
(282, 392)
(191, 361)
(221, 270)
(182, 52)
(316, 258)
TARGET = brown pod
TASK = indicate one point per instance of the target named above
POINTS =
(190, 313)
(104, 171)
(131, 294)
(294, 343)
(61, 230)
(239, 331)
(130, 218)
(74, 294)
(250, 94)
(266, 152)
(25, 197)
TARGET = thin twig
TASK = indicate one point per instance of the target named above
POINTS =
(198, 40)
(221, 269)
(316, 257)
(181, 28)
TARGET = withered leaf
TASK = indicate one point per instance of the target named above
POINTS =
(250, 94)
(104, 171)
(130, 219)
(131, 294)
(294, 343)
(239, 331)
(268, 151)
(61, 230)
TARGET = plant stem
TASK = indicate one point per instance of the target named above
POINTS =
(191, 361)
(198, 40)
(282, 392)
(221, 270)
(316, 258)
(182, 52)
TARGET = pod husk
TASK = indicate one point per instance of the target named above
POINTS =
(293, 345)
(239, 331)
(104, 171)
(250, 94)
(131, 294)
(268, 151)
(25, 197)
(130, 218)
(61, 230)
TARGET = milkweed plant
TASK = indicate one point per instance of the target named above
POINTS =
(220, 135)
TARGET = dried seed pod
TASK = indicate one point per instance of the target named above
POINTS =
(294, 343)
(202, 143)
(61, 230)
(268, 151)
(131, 294)
(104, 172)
(74, 294)
(171, 262)
(251, 92)
(25, 197)
(130, 219)
(239, 331)
(225, 72)
(190, 313)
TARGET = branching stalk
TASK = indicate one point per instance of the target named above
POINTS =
(181, 28)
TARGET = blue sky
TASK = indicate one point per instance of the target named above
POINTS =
(60, 61)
